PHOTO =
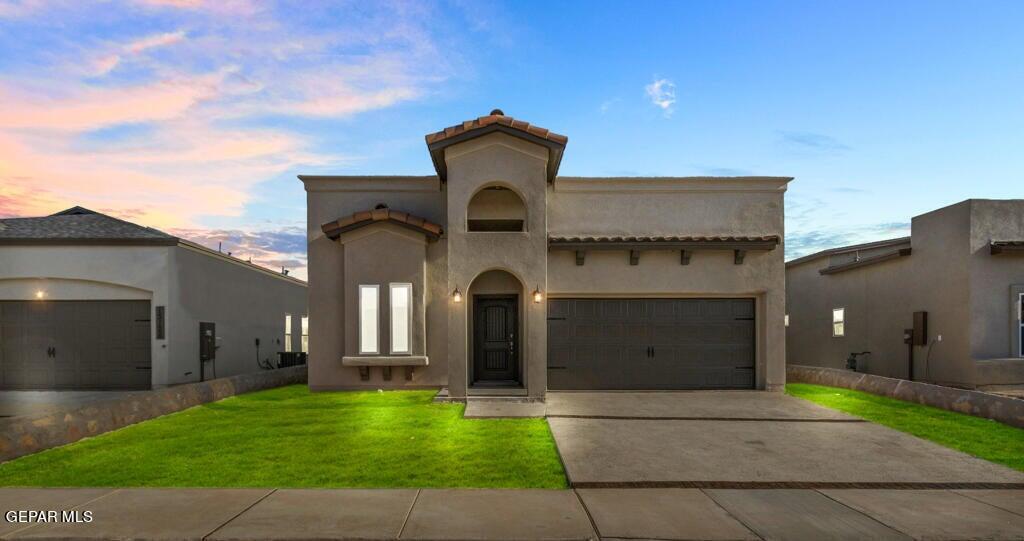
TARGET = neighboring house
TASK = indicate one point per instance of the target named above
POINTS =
(88, 301)
(498, 277)
(963, 266)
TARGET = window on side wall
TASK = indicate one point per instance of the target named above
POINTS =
(369, 309)
(839, 322)
(305, 334)
(401, 318)
(287, 332)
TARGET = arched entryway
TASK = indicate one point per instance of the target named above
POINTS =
(496, 353)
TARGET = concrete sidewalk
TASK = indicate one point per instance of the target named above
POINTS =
(237, 514)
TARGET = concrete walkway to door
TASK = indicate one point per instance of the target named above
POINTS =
(746, 439)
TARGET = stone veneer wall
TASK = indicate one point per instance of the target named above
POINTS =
(998, 408)
(28, 434)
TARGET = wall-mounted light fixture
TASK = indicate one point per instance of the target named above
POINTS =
(456, 295)
(537, 295)
(40, 294)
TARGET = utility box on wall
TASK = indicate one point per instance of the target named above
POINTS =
(920, 329)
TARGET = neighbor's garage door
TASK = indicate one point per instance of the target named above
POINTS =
(74, 345)
(651, 343)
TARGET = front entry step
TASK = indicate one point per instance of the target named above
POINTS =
(498, 408)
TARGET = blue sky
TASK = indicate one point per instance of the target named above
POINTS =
(195, 117)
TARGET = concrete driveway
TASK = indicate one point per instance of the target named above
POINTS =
(746, 439)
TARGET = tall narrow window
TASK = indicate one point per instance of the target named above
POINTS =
(305, 334)
(287, 332)
(401, 318)
(839, 322)
(369, 306)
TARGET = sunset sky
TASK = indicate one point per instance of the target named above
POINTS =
(195, 117)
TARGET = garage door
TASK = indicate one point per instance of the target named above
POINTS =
(74, 345)
(651, 343)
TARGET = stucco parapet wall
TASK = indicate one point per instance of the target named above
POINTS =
(671, 184)
(28, 434)
(989, 406)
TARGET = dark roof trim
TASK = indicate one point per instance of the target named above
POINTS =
(168, 241)
(902, 252)
(663, 243)
(334, 229)
(437, 142)
(848, 249)
(998, 247)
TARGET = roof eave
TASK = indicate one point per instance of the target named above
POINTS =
(555, 149)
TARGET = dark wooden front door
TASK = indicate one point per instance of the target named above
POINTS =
(495, 340)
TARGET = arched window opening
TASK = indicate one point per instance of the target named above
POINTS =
(496, 208)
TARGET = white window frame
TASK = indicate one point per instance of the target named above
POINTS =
(363, 348)
(841, 322)
(304, 334)
(408, 319)
(287, 332)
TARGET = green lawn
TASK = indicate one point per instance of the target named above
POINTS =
(975, 436)
(289, 437)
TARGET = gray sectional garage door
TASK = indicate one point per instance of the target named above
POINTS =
(650, 343)
(74, 345)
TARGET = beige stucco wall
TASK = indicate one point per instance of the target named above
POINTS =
(497, 159)
(877, 307)
(493, 262)
(380, 255)
(667, 206)
(992, 315)
(950, 274)
(496, 205)
(332, 332)
(243, 303)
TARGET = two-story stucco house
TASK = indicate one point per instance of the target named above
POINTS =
(496, 276)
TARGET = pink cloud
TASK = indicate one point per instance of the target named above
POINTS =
(90, 108)
(191, 160)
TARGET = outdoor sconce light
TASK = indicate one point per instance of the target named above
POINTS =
(40, 294)
(537, 296)
(456, 295)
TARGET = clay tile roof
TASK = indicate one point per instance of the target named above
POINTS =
(364, 218)
(496, 121)
(503, 120)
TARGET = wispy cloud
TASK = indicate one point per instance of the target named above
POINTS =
(809, 141)
(607, 104)
(662, 93)
(285, 247)
(804, 242)
(209, 105)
